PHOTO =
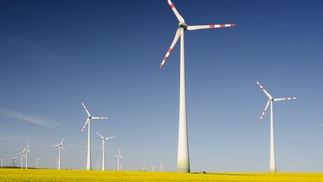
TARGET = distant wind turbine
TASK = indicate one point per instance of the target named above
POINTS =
(118, 160)
(27, 150)
(102, 146)
(22, 155)
(97, 164)
(60, 146)
(183, 164)
(14, 161)
(272, 165)
(37, 159)
(161, 166)
(152, 167)
(143, 167)
(88, 123)
(1, 162)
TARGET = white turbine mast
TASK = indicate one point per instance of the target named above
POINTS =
(102, 147)
(183, 164)
(97, 165)
(1, 162)
(119, 165)
(57, 163)
(152, 167)
(60, 146)
(37, 159)
(14, 161)
(27, 150)
(272, 165)
(143, 166)
(161, 166)
(88, 123)
(22, 155)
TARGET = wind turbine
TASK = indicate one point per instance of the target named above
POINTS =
(103, 139)
(143, 167)
(60, 146)
(14, 161)
(37, 159)
(161, 166)
(22, 155)
(57, 163)
(118, 160)
(183, 164)
(88, 123)
(272, 165)
(152, 167)
(97, 164)
(1, 162)
(27, 150)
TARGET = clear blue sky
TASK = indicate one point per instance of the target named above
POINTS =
(56, 54)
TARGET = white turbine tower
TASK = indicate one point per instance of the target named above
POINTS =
(97, 164)
(88, 123)
(152, 167)
(102, 146)
(118, 160)
(27, 150)
(183, 163)
(1, 162)
(14, 161)
(57, 163)
(143, 167)
(60, 146)
(272, 165)
(22, 155)
(161, 166)
(37, 159)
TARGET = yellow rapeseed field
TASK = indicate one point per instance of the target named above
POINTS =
(18, 175)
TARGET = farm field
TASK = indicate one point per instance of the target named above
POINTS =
(83, 175)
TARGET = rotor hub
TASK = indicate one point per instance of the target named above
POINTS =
(183, 25)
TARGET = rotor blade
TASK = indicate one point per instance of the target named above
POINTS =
(86, 109)
(88, 120)
(56, 145)
(30, 152)
(100, 135)
(62, 148)
(99, 117)
(177, 35)
(62, 142)
(198, 27)
(178, 16)
(264, 112)
(109, 138)
(288, 98)
(263, 89)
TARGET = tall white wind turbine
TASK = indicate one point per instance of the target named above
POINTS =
(27, 150)
(37, 159)
(1, 162)
(88, 123)
(103, 139)
(183, 164)
(143, 167)
(60, 146)
(22, 155)
(14, 161)
(152, 167)
(271, 100)
(118, 160)
(161, 166)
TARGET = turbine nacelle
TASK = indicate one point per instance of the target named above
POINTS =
(183, 25)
